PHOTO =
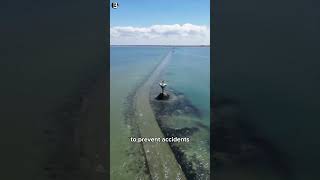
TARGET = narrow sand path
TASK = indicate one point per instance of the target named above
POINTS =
(161, 161)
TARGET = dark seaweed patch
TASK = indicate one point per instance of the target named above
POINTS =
(192, 168)
(186, 165)
(175, 106)
(236, 143)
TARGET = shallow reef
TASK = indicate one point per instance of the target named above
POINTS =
(177, 117)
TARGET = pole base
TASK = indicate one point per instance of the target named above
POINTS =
(163, 96)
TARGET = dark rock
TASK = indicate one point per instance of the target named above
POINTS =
(162, 96)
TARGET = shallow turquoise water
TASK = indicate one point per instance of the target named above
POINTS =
(188, 72)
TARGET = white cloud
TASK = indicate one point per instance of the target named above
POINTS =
(176, 34)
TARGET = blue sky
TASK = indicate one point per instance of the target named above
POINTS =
(149, 12)
(165, 22)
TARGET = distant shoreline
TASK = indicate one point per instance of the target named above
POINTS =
(160, 45)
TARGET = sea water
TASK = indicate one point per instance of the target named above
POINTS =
(187, 72)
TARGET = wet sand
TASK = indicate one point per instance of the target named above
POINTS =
(161, 161)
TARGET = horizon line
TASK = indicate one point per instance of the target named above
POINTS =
(153, 45)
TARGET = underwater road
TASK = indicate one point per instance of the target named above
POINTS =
(161, 161)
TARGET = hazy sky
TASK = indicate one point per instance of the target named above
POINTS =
(164, 22)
